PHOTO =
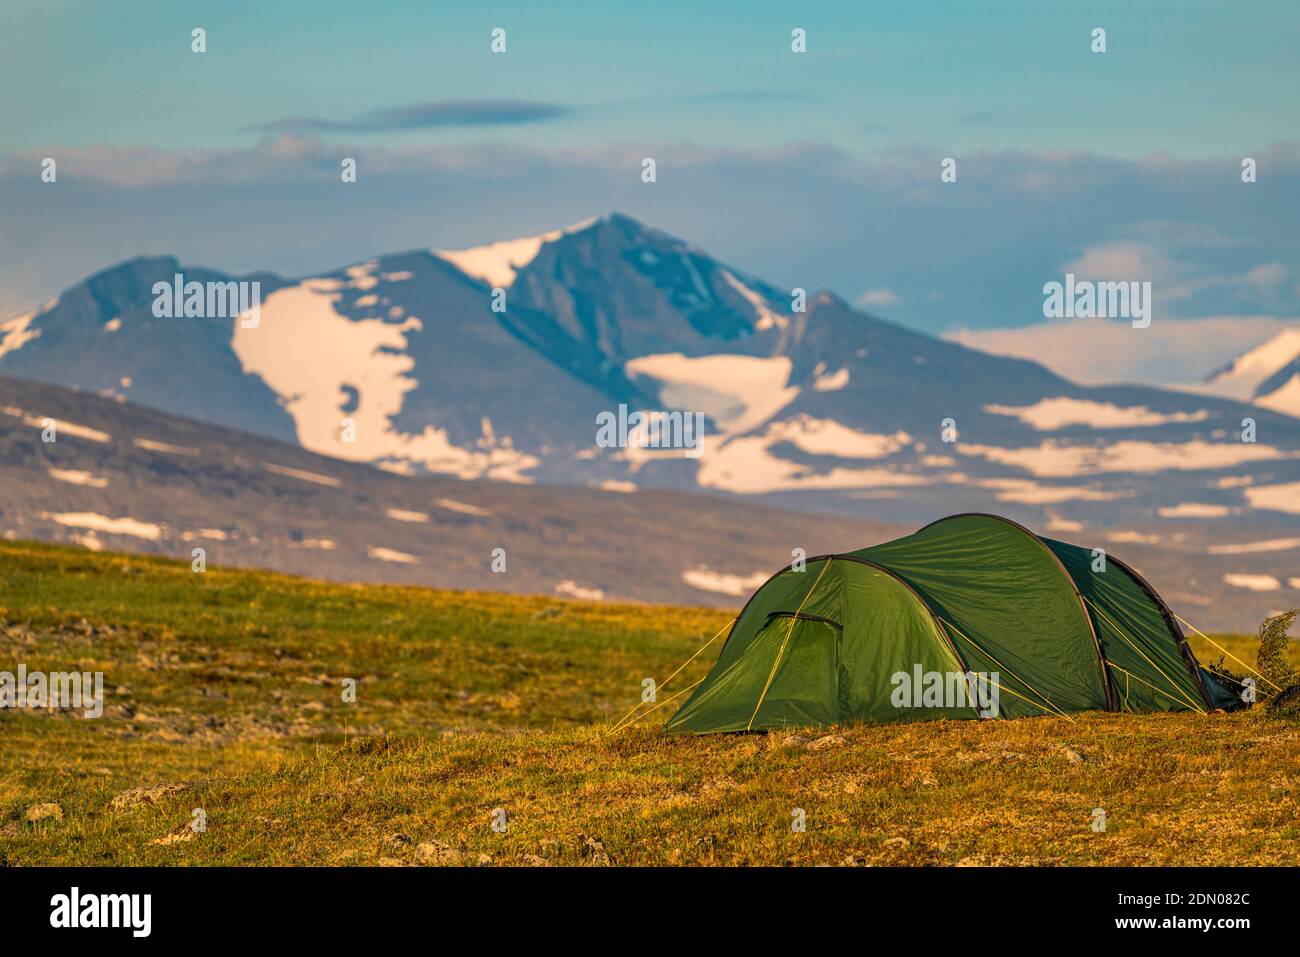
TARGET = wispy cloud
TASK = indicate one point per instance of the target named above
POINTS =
(492, 113)
(421, 116)
(745, 96)
(974, 254)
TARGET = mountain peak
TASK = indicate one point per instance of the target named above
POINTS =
(497, 263)
(138, 266)
(1268, 374)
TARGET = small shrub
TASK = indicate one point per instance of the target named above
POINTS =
(1270, 662)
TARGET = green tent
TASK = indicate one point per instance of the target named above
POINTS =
(974, 616)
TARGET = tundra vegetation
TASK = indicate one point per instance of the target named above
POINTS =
(226, 739)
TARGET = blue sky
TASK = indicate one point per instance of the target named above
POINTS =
(817, 169)
(962, 75)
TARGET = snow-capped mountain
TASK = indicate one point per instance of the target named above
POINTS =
(1267, 375)
(496, 362)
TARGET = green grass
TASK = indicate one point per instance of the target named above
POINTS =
(229, 684)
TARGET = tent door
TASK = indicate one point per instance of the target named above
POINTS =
(804, 688)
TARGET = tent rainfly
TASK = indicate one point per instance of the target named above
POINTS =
(973, 616)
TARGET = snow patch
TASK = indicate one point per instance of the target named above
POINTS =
(574, 590)
(768, 318)
(832, 382)
(305, 351)
(165, 447)
(828, 437)
(1275, 498)
(16, 333)
(1284, 399)
(464, 508)
(497, 263)
(1047, 415)
(362, 276)
(77, 477)
(738, 392)
(722, 583)
(405, 515)
(1053, 459)
(62, 427)
(1248, 548)
(1252, 582)
(1193, 510)
(391, 555)
(109, 526)
(1133, 538)
(89, 541)
(616, 485)
(1033, 493)
(302, 475)
(745, 466)
(323, 544)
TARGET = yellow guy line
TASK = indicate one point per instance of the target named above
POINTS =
(659, 705)
(1051, 707)
(1133, 645)
(781, 651)
(1130, 674)
(1002, 687)
(620, 721)
(1220, 647)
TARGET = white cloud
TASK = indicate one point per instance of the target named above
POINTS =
(1099, 351)
(1266, 277)
(876, 298)
(1053, 207)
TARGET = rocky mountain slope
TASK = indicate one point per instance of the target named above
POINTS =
(122, 477)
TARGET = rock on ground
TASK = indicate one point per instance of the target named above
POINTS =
(41, 812)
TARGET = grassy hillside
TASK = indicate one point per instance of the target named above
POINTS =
(224, 692)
